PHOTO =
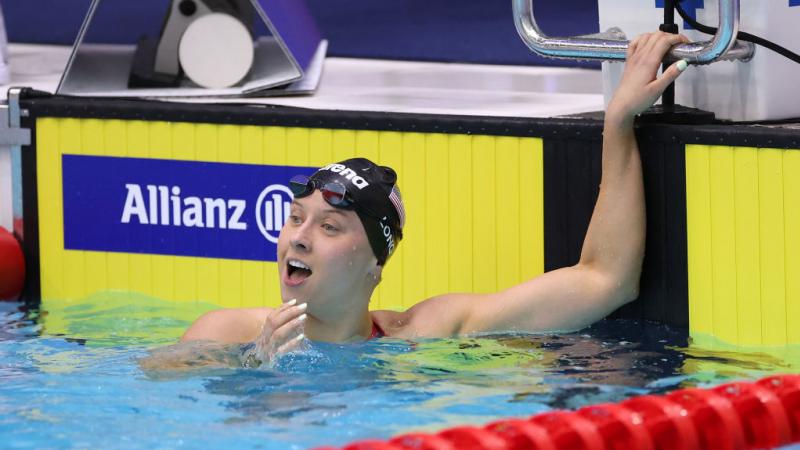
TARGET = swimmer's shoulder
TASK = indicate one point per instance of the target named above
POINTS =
(436, 317)
(228, 326)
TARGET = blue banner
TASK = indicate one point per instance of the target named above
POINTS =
(168, 207)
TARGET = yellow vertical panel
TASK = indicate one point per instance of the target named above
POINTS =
(791, 202)
(414, 269)
(460, 224)
(183, 148)
(275, 148)
(230, 271)
(95, 262)
(390, 293)
(272, 293)
(252, 282)
(252, 272)
(484, 239)
(139, 266)
(771, 221)
(274, 153)
(343, 145)
(436, 218)
(138, 138)
(320, 147)
(698, 229)
(252, 145)
(229, 149)
(531, 205)
(368, 145)
(74, 267)
(207, 149)
(116, 141)
(206, 146)
(51, 243)
(114, 137)
(160, 134)
(748, 281)
(183, 140)
(230, 283)
(507, 217)
(723, 235)
(297, 147)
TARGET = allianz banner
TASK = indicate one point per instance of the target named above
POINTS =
(170, 207)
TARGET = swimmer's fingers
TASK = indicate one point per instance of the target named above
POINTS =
(283, 315)
(290, 330)
(658, 47)
(291, 346)
(269, 343)
(669, 75)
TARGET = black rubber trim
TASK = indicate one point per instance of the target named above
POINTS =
(32, 292)
(723, 133)
(270, 115)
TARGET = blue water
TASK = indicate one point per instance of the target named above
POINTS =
(88, 387)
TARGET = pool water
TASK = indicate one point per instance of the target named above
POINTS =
(100, 383)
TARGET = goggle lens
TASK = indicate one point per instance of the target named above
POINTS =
(301, 186)
(334, 192)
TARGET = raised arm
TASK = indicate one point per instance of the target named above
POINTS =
(607, 275)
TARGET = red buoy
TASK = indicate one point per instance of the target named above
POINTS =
(734, 416)
(12, 266)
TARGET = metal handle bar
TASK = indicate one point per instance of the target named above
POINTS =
(612, 45)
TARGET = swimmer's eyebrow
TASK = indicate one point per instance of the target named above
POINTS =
(340, 212)
(334, 211)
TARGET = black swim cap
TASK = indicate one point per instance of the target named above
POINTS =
(375, 198)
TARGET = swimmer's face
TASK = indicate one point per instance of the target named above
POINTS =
(324, 257)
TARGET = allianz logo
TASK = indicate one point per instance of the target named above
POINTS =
(166, 206)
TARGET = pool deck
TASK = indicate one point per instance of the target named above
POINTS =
(389, 86)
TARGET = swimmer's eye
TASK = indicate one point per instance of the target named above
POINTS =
(329, 228)
(295, 219)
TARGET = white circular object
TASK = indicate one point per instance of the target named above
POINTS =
(216, 51)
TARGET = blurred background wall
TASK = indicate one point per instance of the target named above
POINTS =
(472, 31)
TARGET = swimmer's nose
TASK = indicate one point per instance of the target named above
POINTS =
(300, 240)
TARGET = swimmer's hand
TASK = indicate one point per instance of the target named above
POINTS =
(640, 87)
(282, 332)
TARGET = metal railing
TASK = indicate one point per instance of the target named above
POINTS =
(612, 45)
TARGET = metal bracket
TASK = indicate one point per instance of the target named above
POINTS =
(12, 138)
(612, 47)
(10, 119)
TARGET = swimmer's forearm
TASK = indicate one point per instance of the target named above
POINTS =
(614, 243)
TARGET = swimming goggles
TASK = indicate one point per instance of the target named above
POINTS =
(333, 192)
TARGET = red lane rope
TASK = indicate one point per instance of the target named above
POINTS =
(735, 416)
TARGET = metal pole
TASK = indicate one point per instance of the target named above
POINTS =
(669, 26)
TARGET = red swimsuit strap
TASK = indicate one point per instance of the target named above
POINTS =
(377, 331)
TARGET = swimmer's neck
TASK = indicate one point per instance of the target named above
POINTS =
(353, 327)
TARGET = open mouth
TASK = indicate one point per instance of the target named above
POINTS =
(297, 271)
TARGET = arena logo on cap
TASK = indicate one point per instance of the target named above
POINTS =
(348, 173)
